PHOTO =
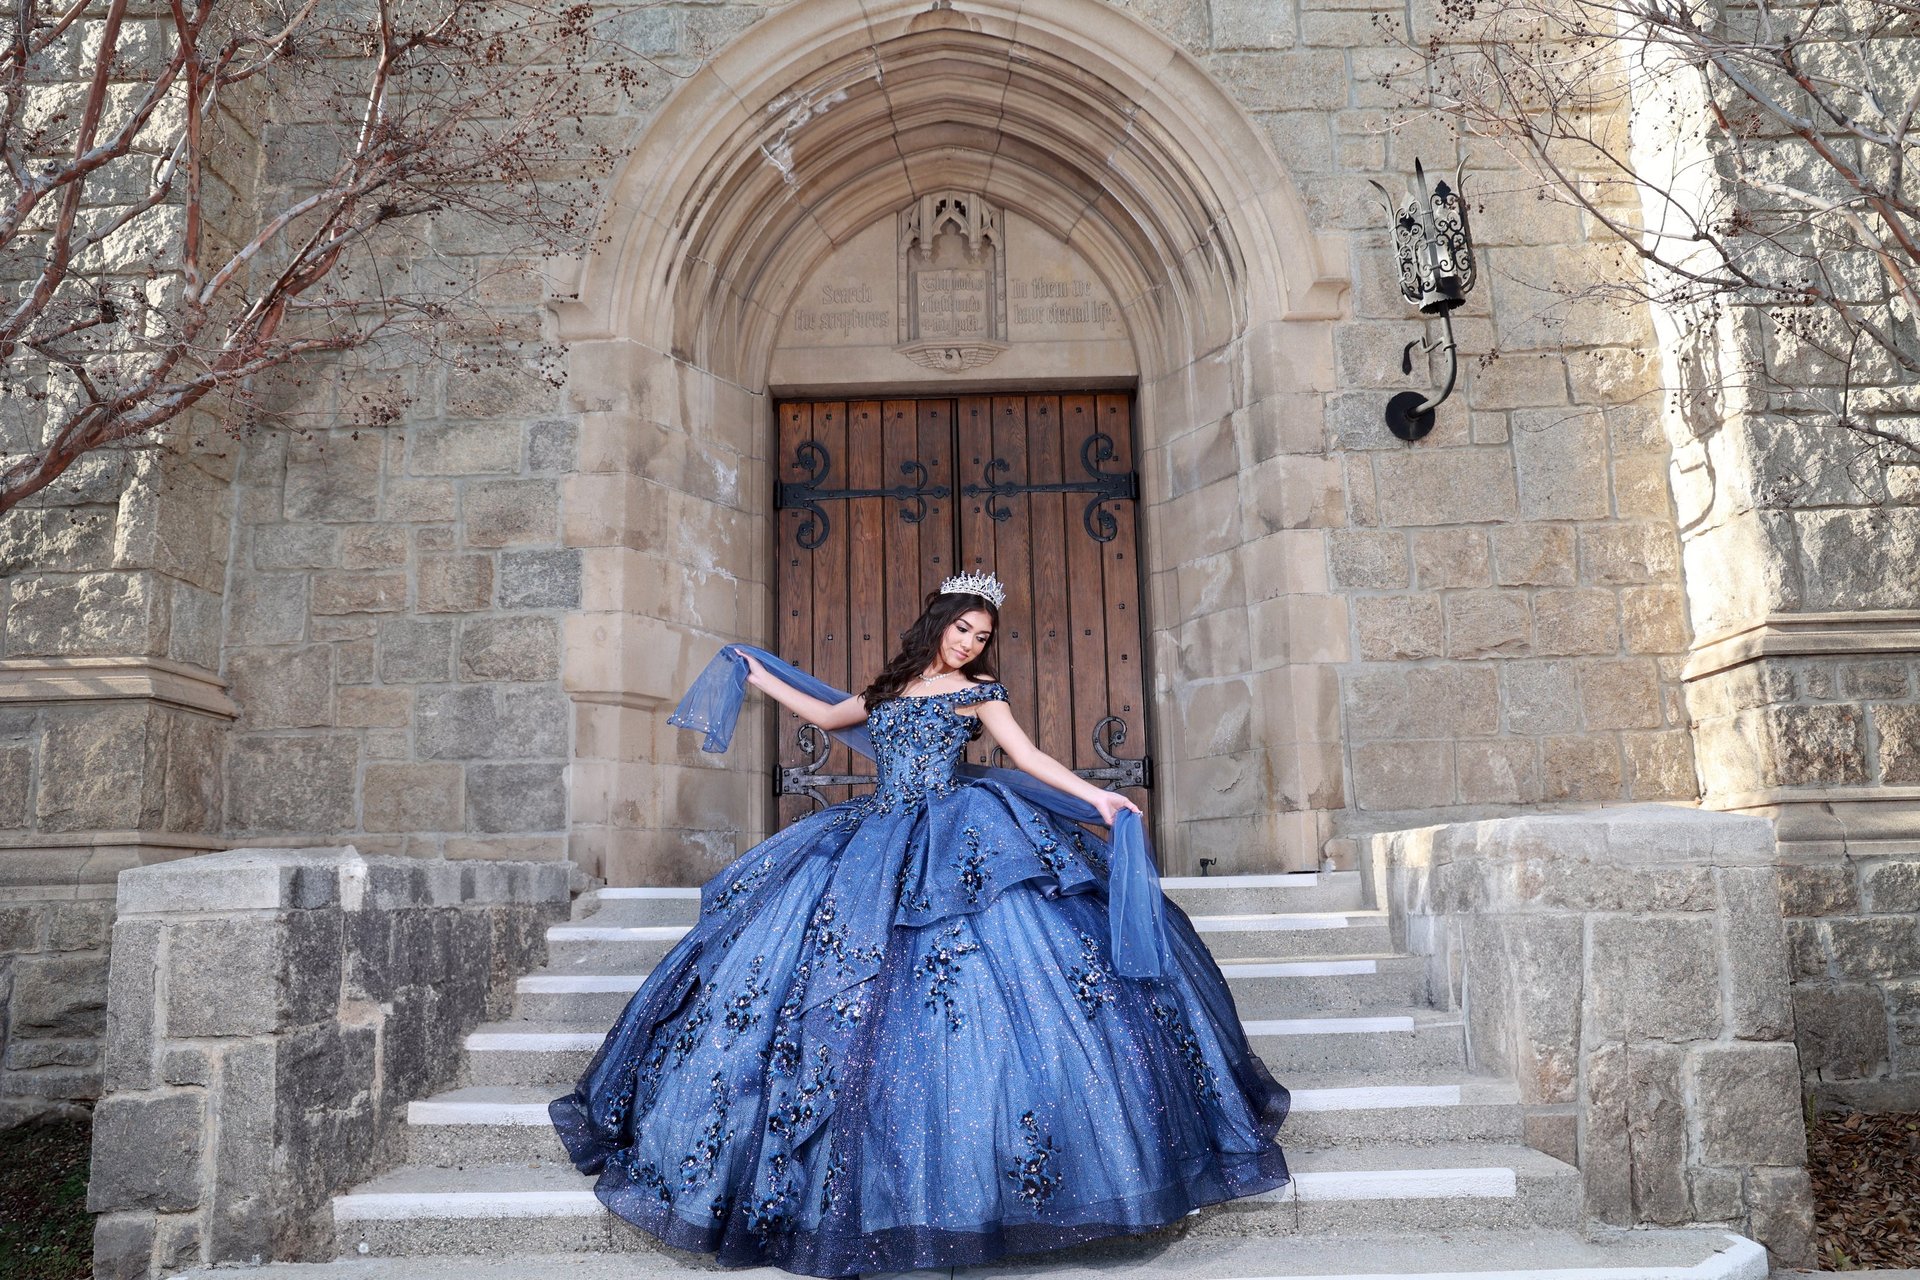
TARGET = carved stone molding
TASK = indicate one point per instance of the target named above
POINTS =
(952, 282)
(1807, 635)
(24, 680)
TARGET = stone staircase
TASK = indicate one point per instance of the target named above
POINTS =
(1404, 1163)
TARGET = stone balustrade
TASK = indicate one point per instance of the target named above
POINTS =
(270, 1013)
(1628, 968)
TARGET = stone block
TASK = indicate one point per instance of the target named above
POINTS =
(1874, 680)
(58, 995)
(1534, 555)
(1448, 486)
(413, 650)
(374, 708)
(1818, 745)
(1755, 942)
(94, 771)
(302, 784)
(485, 723)
(455, 584)
(1252, 24)
(1656, 978)
(516, 649)
(16, 779)
(465, 449)
(245, 1185)
(1500, 771)
(1894, 886)
(1575, 622)
(1541, 697)
(334, 477)
(1628, 554)
(1818, 889)
(1368, 559)
(1654, 619)
(1870, 947)
(147, 1152)
(267, 609)
(424, 500)
(1747, 1098)
(1841, 1030)
(1560, 456)
(123, 1246)
(1635, 1140)
(411, 797)
(516, 797)
(1780, 1215)
(1620, 694)
(78, 926)
(132, 1012)
(1444, 558)
(295, 546)
(540, 579)
(1398, 628)
(504, 513)
(1424, 702)
(81, 615)
(1486, 624)
(1403, 775)
(552, 445)
(283, 688)
(1582, 768)
(225, 977)
(374, 546)
(1807, 949)
(1899, 732)
(1660, 765)
(342, 592)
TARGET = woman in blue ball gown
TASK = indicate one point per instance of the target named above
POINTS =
(896, 1037)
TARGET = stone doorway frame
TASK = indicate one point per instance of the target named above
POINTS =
(817, 120)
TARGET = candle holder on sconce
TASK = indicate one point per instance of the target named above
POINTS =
(1434, 248)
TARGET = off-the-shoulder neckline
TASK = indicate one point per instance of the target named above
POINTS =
(928, 697)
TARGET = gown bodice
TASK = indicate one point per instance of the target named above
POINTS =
(918, 741)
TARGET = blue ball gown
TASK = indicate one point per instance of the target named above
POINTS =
(895, 1040)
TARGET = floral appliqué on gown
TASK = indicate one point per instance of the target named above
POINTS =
(895, 1040)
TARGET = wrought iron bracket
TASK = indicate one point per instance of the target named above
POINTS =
(1105, 486)
(806, 495)
(1409, 414)
(1116, 774)
(805, 778)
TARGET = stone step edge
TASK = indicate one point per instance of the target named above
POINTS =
(1344, 966)
(543, 1041)
(1277, 880)
(1275, 922)
(1493, 1182)
(1357, 1098)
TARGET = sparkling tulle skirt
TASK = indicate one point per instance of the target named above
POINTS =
(895, 1040)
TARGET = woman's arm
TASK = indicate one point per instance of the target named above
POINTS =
(828, 715)
(998, 718)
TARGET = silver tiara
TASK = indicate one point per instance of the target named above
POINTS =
(984, 585)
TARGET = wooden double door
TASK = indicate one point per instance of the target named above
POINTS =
(879, 500)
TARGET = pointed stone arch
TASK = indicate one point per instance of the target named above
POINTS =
(814, 123)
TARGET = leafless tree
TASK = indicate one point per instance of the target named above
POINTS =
(160, 251)
(1757, 158)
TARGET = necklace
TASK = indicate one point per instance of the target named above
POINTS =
(926, 679)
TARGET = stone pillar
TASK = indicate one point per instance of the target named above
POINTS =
(270, 1014)
(112, 727)
(1629, 969)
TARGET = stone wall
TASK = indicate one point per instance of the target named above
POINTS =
(1629, 969)
(271, 1013)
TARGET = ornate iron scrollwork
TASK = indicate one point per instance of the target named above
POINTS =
(1106, 486)
(805, 778)
(1115, 774)
(806, 495)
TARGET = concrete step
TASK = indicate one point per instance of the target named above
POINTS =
(504, 1124)
(1396, 1041)
(617, 938)
(1197, 895)
(492, 1209)
(1467, 1255)
(1282, 988)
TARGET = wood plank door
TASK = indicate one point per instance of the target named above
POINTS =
(881, 500)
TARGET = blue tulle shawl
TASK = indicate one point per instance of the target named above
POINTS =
(1134, 915)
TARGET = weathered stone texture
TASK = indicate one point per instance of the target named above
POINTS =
(287, 968)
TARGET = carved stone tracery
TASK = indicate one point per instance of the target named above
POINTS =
(953, 292)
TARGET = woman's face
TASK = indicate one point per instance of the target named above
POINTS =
(965, 637)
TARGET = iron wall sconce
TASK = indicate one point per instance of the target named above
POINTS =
(1435, 252)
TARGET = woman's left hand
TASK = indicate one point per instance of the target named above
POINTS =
(1111, 804)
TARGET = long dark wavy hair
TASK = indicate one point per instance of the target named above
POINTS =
(920, 644)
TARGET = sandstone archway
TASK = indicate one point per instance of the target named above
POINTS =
(812, 125)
